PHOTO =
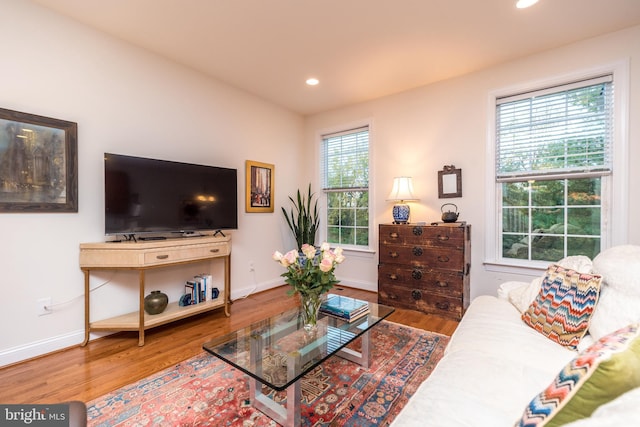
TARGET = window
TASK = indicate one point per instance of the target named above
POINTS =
(553, 160)
(345, 182)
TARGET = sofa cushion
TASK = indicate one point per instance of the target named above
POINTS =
(564, 305)
(602, 373)
(491, 369)
(619, 303)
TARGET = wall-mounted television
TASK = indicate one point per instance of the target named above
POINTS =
(143, 196)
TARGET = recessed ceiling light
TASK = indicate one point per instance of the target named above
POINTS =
(312, 81)
(521, 4)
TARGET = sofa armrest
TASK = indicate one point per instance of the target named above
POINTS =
(505, 288)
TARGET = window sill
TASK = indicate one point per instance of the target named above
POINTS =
(361, 252)
(531, 268)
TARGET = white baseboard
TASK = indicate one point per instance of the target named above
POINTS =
(38, 348)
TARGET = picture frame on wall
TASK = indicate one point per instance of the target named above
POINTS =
(38, 163)
(259, 186)
(449, 182)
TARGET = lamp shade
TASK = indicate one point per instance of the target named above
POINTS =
(402, 189)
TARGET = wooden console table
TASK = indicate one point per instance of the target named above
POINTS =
(145, 255)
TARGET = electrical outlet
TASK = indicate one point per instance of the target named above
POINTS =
(43, 306)
(251, 266)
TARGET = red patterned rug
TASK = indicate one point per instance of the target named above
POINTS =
(204, 391)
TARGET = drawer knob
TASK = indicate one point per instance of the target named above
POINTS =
(216, 250)
(443, 238)
(417, 251)
(393, 235)
(393, 254)
(162, 256)
(442, 305)
(442, 284)
(417, 231)
(392, 276)
(416, 274)
(416, 294)
(443, 258)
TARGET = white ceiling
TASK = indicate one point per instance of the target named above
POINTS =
(358, 49)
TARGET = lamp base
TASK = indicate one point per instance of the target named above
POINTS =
(401, 213)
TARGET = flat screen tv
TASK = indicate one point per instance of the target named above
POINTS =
(145, 196)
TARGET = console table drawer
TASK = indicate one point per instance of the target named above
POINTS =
(164, 256)
(149, 254)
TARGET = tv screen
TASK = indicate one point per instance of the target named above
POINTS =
(159, 196)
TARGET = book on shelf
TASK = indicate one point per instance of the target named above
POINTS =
(196, 290)
(346, 308)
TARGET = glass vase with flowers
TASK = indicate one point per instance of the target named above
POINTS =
(310, 273)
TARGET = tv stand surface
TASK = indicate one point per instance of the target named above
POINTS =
(145, 255)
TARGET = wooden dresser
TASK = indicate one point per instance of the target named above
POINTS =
(425, 267)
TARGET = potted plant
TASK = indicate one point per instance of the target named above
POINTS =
(303, 220)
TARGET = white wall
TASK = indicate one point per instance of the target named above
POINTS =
(128, 101)
(417, 132)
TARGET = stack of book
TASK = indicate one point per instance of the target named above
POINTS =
(345, 308)
(197, 290)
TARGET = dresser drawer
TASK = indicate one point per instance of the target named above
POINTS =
(421, 300)
(423, 256)
(441, 282)
(453, 237)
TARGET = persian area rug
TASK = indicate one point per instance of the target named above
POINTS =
(205, 391)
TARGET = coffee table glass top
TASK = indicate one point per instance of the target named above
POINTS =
(278, 351)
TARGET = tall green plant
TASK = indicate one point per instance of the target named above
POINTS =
(302, 219)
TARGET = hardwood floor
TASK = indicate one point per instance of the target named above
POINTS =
(106, 364)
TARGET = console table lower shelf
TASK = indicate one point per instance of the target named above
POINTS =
(173, 312)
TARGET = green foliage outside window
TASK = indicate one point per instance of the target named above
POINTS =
(542, 219)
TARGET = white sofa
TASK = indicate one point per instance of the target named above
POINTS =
(495, 363)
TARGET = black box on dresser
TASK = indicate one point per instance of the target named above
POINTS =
(425, 267)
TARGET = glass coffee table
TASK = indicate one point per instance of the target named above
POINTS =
(278, 352)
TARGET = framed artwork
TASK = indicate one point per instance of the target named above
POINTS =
(449, 182)
(38, 163)
(259, 191)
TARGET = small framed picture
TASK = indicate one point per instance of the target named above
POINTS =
(38, 163)
(449, 182)
(260, 185)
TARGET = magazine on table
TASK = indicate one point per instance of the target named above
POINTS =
(346, 308)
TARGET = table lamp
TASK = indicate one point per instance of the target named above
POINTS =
(401, 192)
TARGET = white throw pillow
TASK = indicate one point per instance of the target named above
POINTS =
(619, 302)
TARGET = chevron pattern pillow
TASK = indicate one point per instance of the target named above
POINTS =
(564, 305)
(600, 374)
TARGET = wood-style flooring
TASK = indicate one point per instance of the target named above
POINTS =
(108, 363)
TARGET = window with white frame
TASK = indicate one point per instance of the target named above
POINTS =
(552, 166)
(345, 183)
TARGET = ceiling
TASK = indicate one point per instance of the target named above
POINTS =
(358, 49)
